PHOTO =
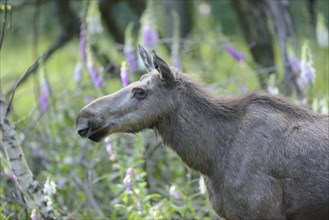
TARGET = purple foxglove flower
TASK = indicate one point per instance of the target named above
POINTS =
(97, 80)
(130, 172)
(88, 99)
(44, 95)
(238, 56)
(294, 63)
(83, 43)
(127, 181)
(77, 72)
(307, 71)
(158, 205)
(150, 36)
(307, 74)
(10, 175)
(244, 88)
(124, 74)
(34, 215)
(173, 192)
(109, 149)
(128, 51)
(138, 205)
(61, 182)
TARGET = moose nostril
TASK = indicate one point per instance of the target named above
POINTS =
(83, 132)
(82, 126)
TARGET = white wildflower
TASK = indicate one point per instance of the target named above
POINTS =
(202, 186)
(320, 105)
(49, 187)
(107, 139)
(68, 160)
(154, 212)
(324, 106)
(116, 166)
(271, 88)
(109, 149)
(322, 32)
(94, 25)
(49, 202)
(204, 9)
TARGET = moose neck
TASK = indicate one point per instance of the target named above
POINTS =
(200, 128)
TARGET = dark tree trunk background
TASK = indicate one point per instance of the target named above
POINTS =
(252, 17)
(280, 16)
(110, 20)
(311, 10)
(184, 10)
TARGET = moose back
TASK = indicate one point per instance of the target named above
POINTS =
(261, 157)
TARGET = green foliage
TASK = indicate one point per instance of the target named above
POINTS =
(2, 207)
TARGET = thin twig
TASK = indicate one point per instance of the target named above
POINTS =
(34, 66)
(86, 188)
(3, 25)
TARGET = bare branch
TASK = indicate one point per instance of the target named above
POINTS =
(61, 41)
(70, 27)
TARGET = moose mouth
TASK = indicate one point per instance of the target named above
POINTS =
(99, 135)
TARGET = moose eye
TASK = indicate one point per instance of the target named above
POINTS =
(139, 93)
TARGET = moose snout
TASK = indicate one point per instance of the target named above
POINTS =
(82, 126)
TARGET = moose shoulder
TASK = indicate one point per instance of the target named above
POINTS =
(262, 157)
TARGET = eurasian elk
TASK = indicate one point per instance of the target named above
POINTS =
(261, 156)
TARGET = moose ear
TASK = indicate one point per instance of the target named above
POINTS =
(162, 67)
(146, 58)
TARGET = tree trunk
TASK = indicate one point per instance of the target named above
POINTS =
(111, 21)
(32, 190)
(184, 9)
(280, 17)
(252, 17)
(311, 10)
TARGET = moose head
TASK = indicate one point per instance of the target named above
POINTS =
(141, 105)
